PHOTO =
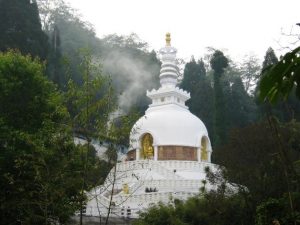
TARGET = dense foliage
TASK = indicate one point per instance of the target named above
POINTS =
(196, 82)
(280, 78)
(42, 171)
(208, 208)
(221, 101)
(132, 67)
(38, 158)
(21, 28)
(262, 157)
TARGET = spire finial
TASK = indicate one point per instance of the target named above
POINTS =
(168, 39)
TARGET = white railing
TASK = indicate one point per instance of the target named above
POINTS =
(168, 164)
(129, 166)
(141, 201)
(147, 198)
(167, 185)
(157, 167)
(186, 165)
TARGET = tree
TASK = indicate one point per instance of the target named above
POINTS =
(250, 72)
(137, 70)
(161, 214)
(279, 79)
(90, 104)
(212, 208)
(38, 159)
(55, 67)
(241, 107)
(278, 210)
(262, 159)
(193, 72)
(218, 63)
(22, 28)
(75, 34)
(278, 82)
(132, 67)
(270, 58)
(271, 87)
(201, 103)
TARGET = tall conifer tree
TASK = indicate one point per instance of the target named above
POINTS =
(270, 58)
(55, 70)
(284, 110)
(201, 102)
(242, 109)
(21, 28)
(218, 63)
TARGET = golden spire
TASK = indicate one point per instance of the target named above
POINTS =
(168, 39)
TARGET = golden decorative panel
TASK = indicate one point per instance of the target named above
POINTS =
(177, 153)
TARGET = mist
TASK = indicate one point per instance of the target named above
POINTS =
(133, 73)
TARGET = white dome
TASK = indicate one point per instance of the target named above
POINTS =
(169, 125)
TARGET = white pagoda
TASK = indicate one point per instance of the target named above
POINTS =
(168, 153)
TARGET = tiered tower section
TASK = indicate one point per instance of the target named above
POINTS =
(168, 93)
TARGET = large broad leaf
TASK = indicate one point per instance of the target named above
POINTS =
(278, 80)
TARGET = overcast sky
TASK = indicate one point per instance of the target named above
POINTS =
(240, 26)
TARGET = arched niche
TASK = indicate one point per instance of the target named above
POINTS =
(204, 148)
(147, 150)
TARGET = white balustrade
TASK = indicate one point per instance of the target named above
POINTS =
(171, 185)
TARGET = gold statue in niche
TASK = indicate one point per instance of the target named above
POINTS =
(204, 149)
(147, 148)
(150, 152)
